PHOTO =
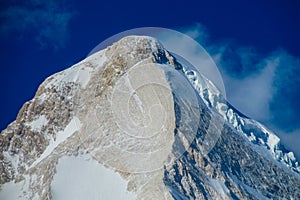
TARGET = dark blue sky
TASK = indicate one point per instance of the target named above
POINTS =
(39, 38)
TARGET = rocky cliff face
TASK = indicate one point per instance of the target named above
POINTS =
(162, 129)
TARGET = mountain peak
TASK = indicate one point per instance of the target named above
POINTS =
(136, 114)
(139, 42)
(140, 48)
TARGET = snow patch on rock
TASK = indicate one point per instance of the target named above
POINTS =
(16, 191)
(71, 128)
(37, 124)
(220, 188)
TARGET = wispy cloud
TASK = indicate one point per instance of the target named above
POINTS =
(47, 21)
(252, 94)
(285, 102)
(264, 87)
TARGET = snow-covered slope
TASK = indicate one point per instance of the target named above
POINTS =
(251, 129)
(81, 177)
(132, 122)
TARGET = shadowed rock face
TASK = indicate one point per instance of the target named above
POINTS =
(134, 109)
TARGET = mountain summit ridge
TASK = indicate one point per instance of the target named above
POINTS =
(77, 113)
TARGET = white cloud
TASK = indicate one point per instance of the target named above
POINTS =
(253, 94)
